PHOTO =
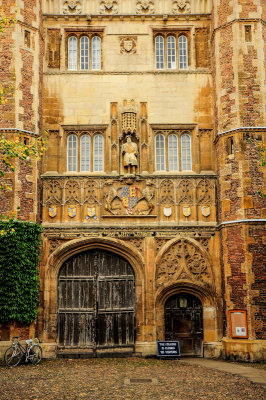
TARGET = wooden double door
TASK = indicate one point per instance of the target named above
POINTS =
(96, 302)
(184, 322)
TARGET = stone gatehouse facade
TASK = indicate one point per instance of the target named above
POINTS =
(147, 193)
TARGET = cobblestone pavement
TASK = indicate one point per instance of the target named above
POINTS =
(132, 378)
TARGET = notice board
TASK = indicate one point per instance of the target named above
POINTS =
(238, 324)
(168, 348)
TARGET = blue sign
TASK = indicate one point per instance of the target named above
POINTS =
(168, 349)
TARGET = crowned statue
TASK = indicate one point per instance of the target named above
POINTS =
(130, 153)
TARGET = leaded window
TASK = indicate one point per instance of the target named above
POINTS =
(72, 152)
(96, 52)
(84, 53)
(159, 52)
(173, 152)
(98, 153)
(171, 52)
(186, 159)
(85, 153)
(160, 152)
(72, 53)
(183, 52)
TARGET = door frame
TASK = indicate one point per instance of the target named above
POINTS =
(173, 312)
(51, 269)
(211, 309)
(95, 312)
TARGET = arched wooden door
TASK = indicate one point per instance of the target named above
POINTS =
(183, 322)
(96, 302)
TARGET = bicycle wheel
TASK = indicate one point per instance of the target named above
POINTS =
(35, 354)
(12, 356)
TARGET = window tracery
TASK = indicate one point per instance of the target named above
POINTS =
(170, 45)
(85, 151)
(84, 51)
(173, 151)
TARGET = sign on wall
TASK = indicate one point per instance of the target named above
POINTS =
(238, 324)
(168, 349)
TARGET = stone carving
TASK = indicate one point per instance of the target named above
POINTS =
(160, 242)
(112, 202)
(204, 242)
(128, 45)
(72, 191)
(145, 7)
(204, 195)
(53, 49)
(89, 192)
(130, 153)
(167, 192)
(183, 260)
(137, 242)
(185, 193)
(54, 244)
(181, 7)
(52, 192)
(128, 199)
(148, 196)
(72, 7)
(109, 7)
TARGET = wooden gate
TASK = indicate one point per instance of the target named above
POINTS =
(96, 302)
(183, 322)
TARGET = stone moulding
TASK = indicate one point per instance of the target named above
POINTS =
(183, 259)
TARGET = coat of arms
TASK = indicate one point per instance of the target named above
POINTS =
(128, 44)
(91, 213)
(129, 196)
(167, 211)
(205, 211)
(72, 212)
(186, 211)
(52, 211)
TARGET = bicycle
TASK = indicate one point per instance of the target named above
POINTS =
(15, 353)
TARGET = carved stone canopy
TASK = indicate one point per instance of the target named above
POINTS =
(181, 6)
(72, 7)
(109, 7)
(145, 7)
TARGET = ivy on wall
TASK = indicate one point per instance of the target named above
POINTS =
(20, 244)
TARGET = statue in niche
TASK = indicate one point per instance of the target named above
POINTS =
(130, 153)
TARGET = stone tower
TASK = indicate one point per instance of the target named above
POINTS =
(21, 65)
(239, 82)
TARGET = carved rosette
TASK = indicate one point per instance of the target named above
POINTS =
(145, 7)
(72, 7)
(108, 7)
(181, 7)
(183, 260)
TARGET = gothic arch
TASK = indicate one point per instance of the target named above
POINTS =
(65, 251)
(210, 303)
